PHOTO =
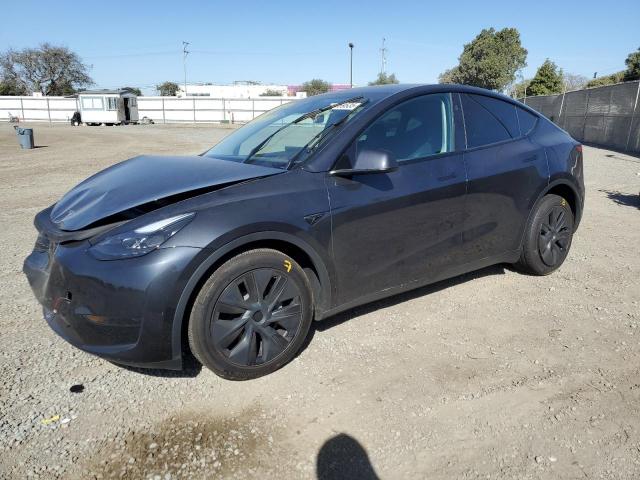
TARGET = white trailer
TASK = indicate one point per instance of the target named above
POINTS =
(111, 107)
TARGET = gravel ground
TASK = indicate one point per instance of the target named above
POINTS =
(489, 375)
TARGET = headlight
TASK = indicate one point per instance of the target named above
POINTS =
(141, 240)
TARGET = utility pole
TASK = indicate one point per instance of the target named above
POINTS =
(383, 55)
(185, 52)
(351, 64)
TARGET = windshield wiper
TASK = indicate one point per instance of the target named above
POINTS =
(311, 114)
(315, 140)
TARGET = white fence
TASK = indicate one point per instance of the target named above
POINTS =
(38, 109)
(159, 109)
(206, 109)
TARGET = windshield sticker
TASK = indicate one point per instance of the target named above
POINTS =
(347, 106)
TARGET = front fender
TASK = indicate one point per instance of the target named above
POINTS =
(214, 255)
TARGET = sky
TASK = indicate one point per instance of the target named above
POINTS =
(139, 44)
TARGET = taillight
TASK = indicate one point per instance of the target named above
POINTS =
(579, 148)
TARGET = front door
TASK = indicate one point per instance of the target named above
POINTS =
(399, 227)
(127, 111)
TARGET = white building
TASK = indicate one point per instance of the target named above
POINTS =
(237, 90)
(110, 107)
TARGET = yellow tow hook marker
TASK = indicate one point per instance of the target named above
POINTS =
(287, 265)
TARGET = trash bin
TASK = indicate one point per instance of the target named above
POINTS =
(25, 136)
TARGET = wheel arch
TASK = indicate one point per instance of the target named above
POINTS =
(566, 190)
(299, 250)
(569, 192)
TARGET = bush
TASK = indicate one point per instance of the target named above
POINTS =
(271, 93)
(606, 80)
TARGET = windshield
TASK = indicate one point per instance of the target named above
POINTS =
(288, 134)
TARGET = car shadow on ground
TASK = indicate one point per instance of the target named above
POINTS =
(192, 367)
(627, 199)
(342, 457)
(406, 296)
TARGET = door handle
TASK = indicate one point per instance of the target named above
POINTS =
(529, 159)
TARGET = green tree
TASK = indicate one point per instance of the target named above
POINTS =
(9, 87)
(606, 80)
(448, 76)
(48, 69)
(315, 87)
(134, 90)
(633, 66)
(271, 93)
(547, 80)
(168, 89)
(490, 60)
(385, 79)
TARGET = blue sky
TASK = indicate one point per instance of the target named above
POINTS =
(288, 42)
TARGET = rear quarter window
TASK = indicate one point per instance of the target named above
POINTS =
(527, 120)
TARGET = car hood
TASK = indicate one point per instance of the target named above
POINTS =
(149, 181)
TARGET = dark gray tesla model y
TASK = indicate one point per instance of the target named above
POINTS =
(314, 207)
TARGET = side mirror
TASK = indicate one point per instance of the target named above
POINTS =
(369, 161)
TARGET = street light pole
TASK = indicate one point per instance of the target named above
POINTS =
(351, 64)
(185, 52)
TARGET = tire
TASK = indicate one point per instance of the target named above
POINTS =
(76, 119)
(252, 315)
(548, 235)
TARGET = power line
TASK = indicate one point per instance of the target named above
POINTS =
(141, 54)
(203, 52)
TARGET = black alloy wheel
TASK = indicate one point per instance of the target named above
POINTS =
(547, 237)
(252, 315)
(256, 317)
(555, 237)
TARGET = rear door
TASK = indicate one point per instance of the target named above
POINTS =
(395, 228)
(505, 171)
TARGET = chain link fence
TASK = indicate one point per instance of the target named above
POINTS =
(608, 116)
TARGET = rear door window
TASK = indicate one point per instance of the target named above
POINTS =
(505, 112)
(482, 126)
(417, 128)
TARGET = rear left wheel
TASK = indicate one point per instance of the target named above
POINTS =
(548, 236)
(252, 315)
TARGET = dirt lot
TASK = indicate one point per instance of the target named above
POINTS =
(506, 376)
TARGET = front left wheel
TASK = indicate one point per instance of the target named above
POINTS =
(252, 315)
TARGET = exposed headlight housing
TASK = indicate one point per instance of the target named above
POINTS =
(140, 241)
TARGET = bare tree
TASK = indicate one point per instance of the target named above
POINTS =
(574, 81)
(48, 69)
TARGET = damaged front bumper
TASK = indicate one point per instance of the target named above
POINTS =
(122, 310)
